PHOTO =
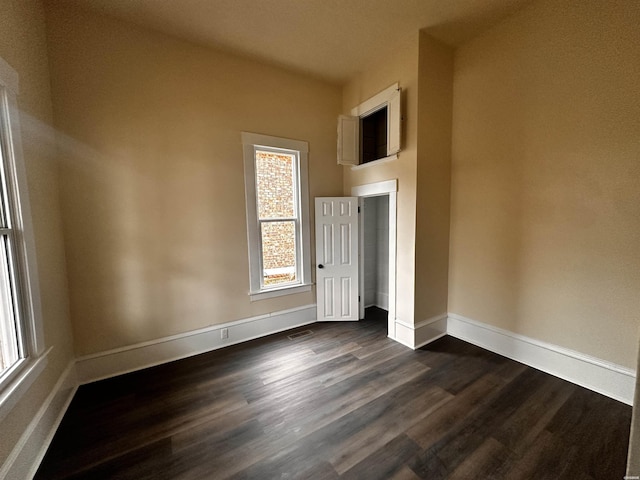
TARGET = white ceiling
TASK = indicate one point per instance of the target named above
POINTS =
(330, 39)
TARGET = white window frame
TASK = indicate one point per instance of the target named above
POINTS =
(349, 128)
(252, 142)
(15, 381)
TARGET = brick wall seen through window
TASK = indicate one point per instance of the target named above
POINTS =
(276, 197)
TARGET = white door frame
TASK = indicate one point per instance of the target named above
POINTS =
(388, 187)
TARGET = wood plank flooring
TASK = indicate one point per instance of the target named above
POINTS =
(343, 402)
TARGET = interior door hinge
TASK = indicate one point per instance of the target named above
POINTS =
(358, 209)
(358, 298)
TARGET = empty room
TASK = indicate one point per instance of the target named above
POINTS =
(368, 239)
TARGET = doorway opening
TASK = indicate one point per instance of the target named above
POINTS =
(375, 257)
(377, 242)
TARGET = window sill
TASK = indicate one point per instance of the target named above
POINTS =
(375, 162)
(19, 385)
(278, 292)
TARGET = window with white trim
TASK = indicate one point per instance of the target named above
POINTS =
(21, 333)
(277, 196)
(372, 132)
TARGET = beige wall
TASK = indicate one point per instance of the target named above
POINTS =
(400, 66)
(153, 186)
(434, 177)
(545, 228)
(23, 46)
(424, 70)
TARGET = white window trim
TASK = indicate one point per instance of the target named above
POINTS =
(375, 162)
(17, 380)
(348, 152)
(251, 141)
(375, 103)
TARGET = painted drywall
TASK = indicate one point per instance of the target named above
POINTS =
(370, 243)
(382, 252)
(376, 251)
(152, 174)
(435, 104)
(23, 46)
(330, 40)
(545, 224)
(401, 66)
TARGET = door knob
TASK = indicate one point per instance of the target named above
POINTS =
(320, 266)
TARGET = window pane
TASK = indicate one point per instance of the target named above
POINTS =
(9, 351)
(275, 185)
(373, 132)
(278, 253)
(3, 216)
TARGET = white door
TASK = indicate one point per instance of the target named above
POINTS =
(337, 258)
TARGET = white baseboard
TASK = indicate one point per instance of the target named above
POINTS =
(430, 330)
(91, 368)
(603, 377)
(404, 333)
(420, 334)
(24, 460)
(370, 298)
(377, 299)
(382, 300)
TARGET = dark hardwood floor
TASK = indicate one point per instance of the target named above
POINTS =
(342, 402)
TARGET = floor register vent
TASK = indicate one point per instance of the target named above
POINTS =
(302, 334)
